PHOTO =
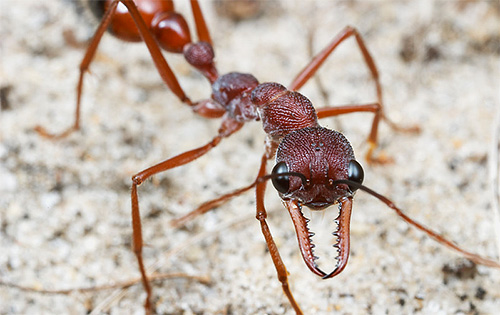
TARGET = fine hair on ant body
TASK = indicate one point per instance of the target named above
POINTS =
(315, 166)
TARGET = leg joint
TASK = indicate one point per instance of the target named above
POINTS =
(137, 180)
(261, 216)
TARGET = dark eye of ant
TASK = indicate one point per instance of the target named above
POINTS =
(356, 173)
(281, 183)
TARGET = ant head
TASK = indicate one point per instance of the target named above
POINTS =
(321, 156)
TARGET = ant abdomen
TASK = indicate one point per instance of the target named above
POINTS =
(170, 28)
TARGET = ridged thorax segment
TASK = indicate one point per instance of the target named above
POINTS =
(283, 111)
(233, 91)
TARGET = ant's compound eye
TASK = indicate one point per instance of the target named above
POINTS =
(281, 183)
(356, 173)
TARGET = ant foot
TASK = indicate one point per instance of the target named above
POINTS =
(381, 158)
(415, 129)
(44, 133)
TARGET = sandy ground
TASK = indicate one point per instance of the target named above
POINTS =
(65, 209)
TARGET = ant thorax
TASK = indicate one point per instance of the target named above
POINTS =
(233, 92)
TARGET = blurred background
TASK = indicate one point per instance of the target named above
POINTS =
(65, 204)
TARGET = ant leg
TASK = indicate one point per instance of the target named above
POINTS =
(347, 109)
(271, 245)
(115, 285)
(357, 108)
(161, 64)
(228, 127)
(210, 205)
(201, 54)
(214, 203)
(201, 26)
(325, 95)
(84, 65)
(319, 59)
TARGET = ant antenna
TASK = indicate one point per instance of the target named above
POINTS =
(434, 235)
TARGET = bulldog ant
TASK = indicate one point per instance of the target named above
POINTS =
(315, 166)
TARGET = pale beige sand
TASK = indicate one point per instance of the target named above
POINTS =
(65, 209)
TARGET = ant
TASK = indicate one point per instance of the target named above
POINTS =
(315, 166)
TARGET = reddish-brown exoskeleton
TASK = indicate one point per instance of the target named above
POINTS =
(314, 167)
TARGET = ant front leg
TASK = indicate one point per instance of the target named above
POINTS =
(320, 58)
(228, 127)
(271, 245)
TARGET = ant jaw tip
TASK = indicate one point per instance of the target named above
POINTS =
(326, 276)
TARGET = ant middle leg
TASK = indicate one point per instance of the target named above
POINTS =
(260, 185)
(261, 215)
(210, 205)
(320, 58)
(374, 108)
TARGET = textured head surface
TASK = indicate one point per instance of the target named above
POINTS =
(322, 156)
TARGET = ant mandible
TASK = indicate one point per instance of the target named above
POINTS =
(315, 166)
